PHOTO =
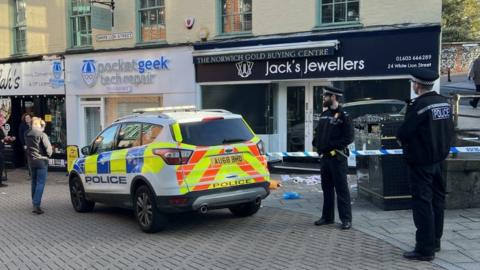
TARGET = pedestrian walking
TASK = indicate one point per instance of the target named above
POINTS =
(425, 136)
(4, 139)
(24, 127)
(39, 150)
(475, 76)
(334, 132)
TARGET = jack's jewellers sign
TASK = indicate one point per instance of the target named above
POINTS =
(355, 54)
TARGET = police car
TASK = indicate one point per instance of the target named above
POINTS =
(167, 160)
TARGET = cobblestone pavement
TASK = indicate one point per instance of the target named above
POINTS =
(108, 238)
(461, 238)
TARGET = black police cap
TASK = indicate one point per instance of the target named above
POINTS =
(424, 76)
(332, 91)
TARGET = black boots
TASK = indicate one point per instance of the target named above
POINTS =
(415, 255)
(37, 210)
(322, 221)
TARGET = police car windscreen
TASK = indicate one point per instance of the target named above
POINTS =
(215, 132)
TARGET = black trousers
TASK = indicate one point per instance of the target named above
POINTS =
(428, 204)
(475, 100)
(334, 178)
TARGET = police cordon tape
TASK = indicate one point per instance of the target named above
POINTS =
(380, 152)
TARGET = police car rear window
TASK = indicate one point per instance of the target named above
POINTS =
(215, 132)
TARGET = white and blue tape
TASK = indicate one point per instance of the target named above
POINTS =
(381, 152)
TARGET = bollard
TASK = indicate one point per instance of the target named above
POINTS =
(456, 99)
(448, 75)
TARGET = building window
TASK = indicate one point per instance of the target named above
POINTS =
(81, 23)
(152, 20)
(339, 11)
(20, 27)
(258, 111)
(236, 16)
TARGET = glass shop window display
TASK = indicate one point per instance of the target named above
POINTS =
(52, 110)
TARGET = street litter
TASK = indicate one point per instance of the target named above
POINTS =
(291, 195)
(309, 180)
(274, 184)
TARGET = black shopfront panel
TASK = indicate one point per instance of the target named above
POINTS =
(50, 108)
(359, 53)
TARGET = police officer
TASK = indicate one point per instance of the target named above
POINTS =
(425, 137)
(333, 134)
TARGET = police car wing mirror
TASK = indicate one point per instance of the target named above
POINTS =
(86, 150)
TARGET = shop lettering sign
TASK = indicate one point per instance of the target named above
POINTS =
(33, 78)
(359, 54)
(306, 66)
(9, 78)
(271, 55)
(121, 75)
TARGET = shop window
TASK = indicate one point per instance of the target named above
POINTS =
(105, 141)
(338, 11)
(116, 107)
(150, 132)
(129, 136)
(255, 102)
(80, 19)
(19, 27)
(236, 16)
(55, 116)
(152, 20)
(374, 89)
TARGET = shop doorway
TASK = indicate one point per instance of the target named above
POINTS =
(92, 117)
(304, 106)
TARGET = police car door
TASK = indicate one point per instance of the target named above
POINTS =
(128, 144)
(97, 164)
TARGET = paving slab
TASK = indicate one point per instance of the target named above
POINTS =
(397, 227)
(109, 238)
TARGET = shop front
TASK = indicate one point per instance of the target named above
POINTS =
(276, 82)
(103, 87)
(36, 88)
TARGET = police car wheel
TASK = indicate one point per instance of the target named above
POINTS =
(148, 217)
(245, 209)
(77, 196)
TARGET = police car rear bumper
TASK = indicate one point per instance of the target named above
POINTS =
(213, 199)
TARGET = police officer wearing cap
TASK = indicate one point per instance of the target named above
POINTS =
(333, 134)
(426, 136)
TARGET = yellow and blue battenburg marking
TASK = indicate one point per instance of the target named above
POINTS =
(135, 160)
(103, 163)
(79, 165)
(120, 161)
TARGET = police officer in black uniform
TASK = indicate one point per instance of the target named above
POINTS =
(426, 136)
(333, 134)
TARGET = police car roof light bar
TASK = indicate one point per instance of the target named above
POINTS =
(217, 110)
(166, 109)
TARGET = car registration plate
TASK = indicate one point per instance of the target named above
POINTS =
(222, 160)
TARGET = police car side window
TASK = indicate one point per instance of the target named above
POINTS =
(105, 141)
(129, 136)
(150, 132)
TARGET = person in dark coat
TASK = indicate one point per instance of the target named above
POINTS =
(39, 150)
(24, 127)
(333, 134)
(426, 136)
(4, 139)
(474, 75)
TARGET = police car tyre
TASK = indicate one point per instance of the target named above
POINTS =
(246, 209)
(148, 217)
(77, 196)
